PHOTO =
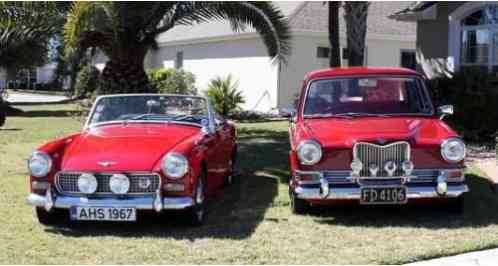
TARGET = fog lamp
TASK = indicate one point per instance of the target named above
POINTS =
(407, 167)
(373, 168)
(356, 166)
(119, 184)
(87, 183)
(390, 168)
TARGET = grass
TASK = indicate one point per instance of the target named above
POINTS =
(248, 223)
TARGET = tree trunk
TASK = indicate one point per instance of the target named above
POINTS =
(355, 14)
(123, 77)
(124, 73)
(335, 50)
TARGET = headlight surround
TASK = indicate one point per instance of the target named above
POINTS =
(174, 165)
(39, 164)
(453, 150)
(309, 152)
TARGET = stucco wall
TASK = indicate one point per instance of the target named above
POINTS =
(432, 40)
(45, 74)
(245, 59)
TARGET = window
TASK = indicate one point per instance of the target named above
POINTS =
(479, 37)
(322, 52)
(179, 60)
(367, 95)
(408, 59)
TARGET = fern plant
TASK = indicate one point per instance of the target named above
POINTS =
(224, 95)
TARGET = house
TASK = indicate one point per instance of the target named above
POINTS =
(454, 35)
(37, 75)
(212, 49)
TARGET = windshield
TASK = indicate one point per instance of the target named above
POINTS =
(363, 96)
(154, 108)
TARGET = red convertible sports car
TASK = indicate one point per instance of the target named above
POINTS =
(372, 136)
(137, 152)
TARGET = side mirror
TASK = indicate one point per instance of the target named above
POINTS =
(289, 112)
(444, 110)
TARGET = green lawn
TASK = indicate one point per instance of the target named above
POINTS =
(249, 222)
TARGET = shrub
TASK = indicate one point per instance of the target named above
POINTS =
(474, 94)
(224, 95)
(86, 81)
(172, 81)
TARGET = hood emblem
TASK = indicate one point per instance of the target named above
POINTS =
(106, 163)
(381, 141)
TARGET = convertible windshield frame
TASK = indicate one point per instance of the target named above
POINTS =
(210, 112)
(419, 80)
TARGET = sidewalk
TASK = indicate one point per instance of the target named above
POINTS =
(22, 98)
(486, 257)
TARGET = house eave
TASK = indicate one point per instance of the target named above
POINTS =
(430, 13)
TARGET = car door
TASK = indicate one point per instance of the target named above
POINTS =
(224, 131)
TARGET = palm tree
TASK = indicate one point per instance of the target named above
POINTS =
(125, 31)
(25, 30)
(224, 94)
(335, 50)
(355, 14)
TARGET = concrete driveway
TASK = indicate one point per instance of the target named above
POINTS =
(16, 97)
(478, 258)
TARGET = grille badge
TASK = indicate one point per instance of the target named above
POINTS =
(106, 163)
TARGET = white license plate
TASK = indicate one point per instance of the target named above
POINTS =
(103, 214)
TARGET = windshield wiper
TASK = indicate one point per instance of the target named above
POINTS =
(182, 117)
(355, 114)
(143, 116)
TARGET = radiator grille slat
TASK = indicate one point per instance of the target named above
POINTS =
(67, 183)
(369, 153)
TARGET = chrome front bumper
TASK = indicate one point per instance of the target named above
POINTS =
(340, 185)
(156, 202)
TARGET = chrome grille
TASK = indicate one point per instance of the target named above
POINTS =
(67, 183)
(369, 153)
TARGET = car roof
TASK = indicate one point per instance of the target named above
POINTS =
(354, 71)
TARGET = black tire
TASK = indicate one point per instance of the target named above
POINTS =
(297, 205)
(48, 218)
(457, 206)
(2, 117)
(197, 213)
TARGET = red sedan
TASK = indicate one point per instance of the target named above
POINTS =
(372, 136)
(140, 152)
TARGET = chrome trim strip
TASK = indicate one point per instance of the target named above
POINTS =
(59, 189)
(141, 203)
(354, 193)
(346, 177)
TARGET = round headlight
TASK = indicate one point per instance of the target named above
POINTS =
(309, 152)
(39, 164)
(453, 150)
(174, 165)
(119, 184)
(87, 183)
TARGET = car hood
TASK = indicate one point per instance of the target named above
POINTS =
(131, 147)
(344, 132)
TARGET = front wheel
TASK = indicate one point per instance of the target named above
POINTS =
(298, 206)
(457, 206)
(197, 213)
(47, 218)
(2, 118)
